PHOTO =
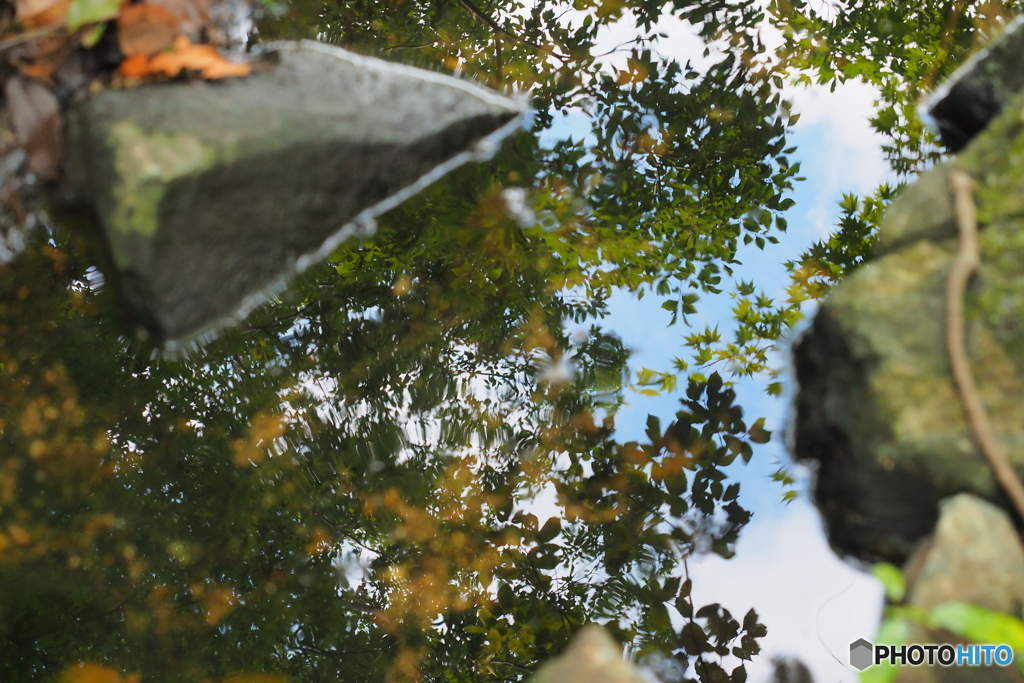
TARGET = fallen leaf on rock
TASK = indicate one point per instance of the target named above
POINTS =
(35, 116)
(185, 57)
(146, 28)
(136, 66)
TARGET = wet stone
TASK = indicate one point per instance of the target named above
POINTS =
(210, 194)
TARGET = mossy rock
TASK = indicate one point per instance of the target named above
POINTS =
(877, 406)
(210, 194)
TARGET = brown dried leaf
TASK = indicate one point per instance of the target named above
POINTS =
(35, 116)
(35, 13)
(146, 28)
(41, 57)
(192, 14)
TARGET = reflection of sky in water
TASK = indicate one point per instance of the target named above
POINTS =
(813, 604)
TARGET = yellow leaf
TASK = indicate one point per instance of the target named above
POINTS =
(90, 672)
(218, 603)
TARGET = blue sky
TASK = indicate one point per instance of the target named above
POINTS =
(813, 603)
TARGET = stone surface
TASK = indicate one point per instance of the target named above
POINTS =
(211, 194)
(974, 556)
(592, 657)
(877, 407)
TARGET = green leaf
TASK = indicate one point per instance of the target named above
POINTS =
(977, 624)
(92, 36)
(551, 528)
(882, 673)
(885, 120)
(653, 429)
(758, 434)
(891, 632)
(82, 12)
(893, 581)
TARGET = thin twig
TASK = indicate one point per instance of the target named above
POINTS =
(419, 46)
(494, 26)
(14, 41)
(631, 41)
(965, 263)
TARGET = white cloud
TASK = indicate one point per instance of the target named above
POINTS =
(680, 41)
(839, 149)
(813, 604)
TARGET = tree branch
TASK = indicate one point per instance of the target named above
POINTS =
(481, 16)
(965, 263)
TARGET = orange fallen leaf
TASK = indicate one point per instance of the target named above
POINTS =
(224, 68)
(185, 57)
(146, 28)
(136, 66)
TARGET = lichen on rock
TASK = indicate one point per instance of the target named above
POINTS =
(145, 163)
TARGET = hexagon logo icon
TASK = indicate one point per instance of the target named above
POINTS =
(860, 654)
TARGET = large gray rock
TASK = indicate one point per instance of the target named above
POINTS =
(974, 556)
(211, 194)
(877, 407)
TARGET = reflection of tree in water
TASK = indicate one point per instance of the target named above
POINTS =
(189, 519)
(187, 516)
